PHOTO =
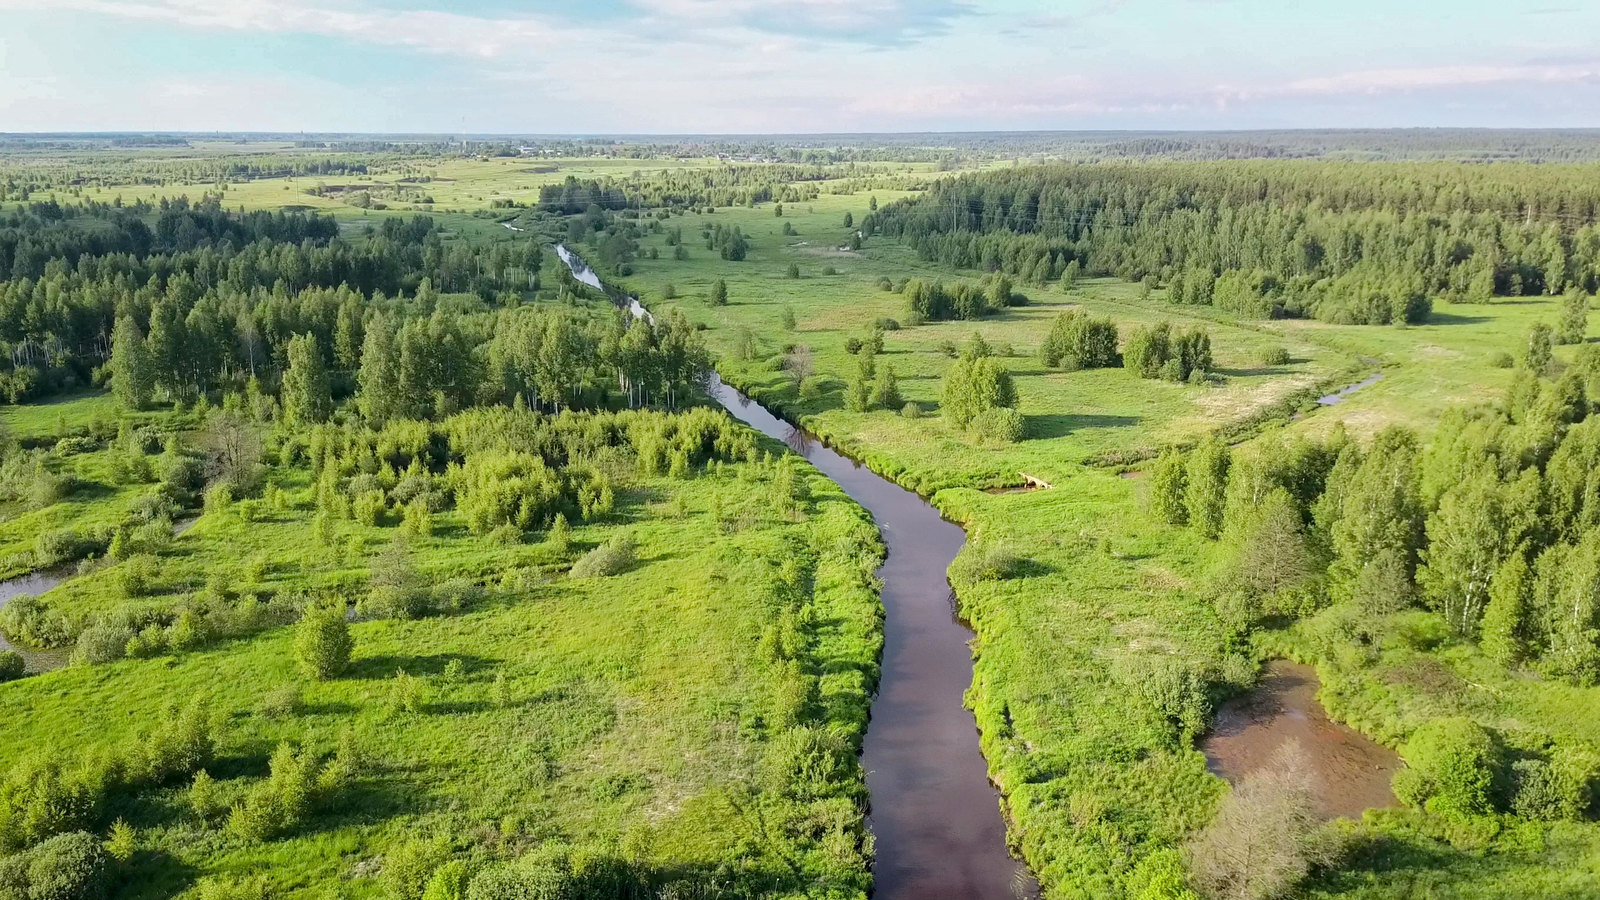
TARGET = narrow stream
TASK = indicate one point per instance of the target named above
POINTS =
(935, 816)
(36, 584)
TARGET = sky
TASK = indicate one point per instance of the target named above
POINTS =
(793, 66)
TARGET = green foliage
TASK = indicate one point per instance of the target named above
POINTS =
(1169, 479)
(1573, 327)
(132, 370)
(1157, 351)
(1079, 341)
(1205, 487)
(297, 784)
(1456, 762)
(307, 397)
(322, 642)
(613, 557)
(1506, 625)
(1537, 357)
(123, 842)
(70, 866)
(973, 385)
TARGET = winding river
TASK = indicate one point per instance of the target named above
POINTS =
(935, 816)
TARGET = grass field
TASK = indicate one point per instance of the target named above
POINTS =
(624, 714)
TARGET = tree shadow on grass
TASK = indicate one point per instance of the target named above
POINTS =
(1444, 318)
(1253, 372)
(1061, 425)
(386, 665)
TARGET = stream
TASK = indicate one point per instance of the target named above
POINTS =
(935, 816)
(35, 584)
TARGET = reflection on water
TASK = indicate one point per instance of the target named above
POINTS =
(1351, 771)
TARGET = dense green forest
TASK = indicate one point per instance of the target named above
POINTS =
(1342, 243)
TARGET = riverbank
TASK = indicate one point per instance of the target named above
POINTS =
(934, 818)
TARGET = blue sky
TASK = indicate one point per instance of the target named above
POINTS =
(675, 66)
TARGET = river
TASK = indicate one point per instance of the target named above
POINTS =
(935, 816)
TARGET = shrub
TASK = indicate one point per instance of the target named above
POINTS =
(989, 562)
(1002, 425)
(1274, 356)
(11, 666)
(545, 874)
(1265, 838)
(232, 889)
(71, 866)
(322, 642)
(1456, 762)
(449, 882)
(911, 411)
(205, 797)
(134, 576)
(280, 702)
(102, 643)
(610, 558)
(1561, 787)
(1500, 359)
(123, 842)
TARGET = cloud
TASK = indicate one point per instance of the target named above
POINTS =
(873, 22)
(1395, 80)
(426, 30)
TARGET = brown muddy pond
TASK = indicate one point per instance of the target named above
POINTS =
(1351, 772)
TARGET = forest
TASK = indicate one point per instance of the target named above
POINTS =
(1343, 243)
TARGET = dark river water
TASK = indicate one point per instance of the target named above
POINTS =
(935, 816)
(1351, 771)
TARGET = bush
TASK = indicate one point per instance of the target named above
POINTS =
(102, 643)
(1561, 787)
(1274, 356)
(71, 866)
(610, 558)
(992, 562)
(911, 411)
(322, 642)
(541, 875)
(1456, 763)
(11, 666)
(1003, 425)
(1500, 359)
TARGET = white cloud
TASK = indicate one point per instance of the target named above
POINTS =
(427, 30)
(1380, 81)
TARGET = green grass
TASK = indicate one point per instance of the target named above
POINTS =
(640, 718)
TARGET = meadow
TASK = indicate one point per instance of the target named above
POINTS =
(620, 715)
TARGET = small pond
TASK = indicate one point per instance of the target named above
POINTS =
(1351, 771)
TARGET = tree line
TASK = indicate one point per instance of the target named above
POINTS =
(216, 293)
(1340, 242)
